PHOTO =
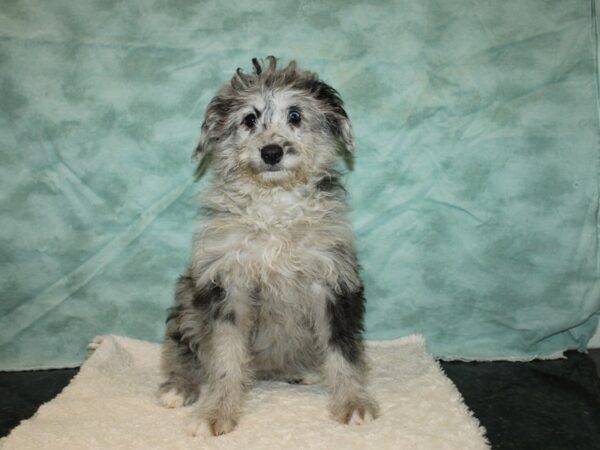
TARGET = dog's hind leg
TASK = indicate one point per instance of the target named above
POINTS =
(184, 375)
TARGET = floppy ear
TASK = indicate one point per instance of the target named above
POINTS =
(204, 144)
(337, 119)
(344, 132)
(209, 134)
(214, 127)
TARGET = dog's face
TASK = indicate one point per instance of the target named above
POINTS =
(275, 127)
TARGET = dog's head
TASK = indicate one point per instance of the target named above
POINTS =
(275, 126)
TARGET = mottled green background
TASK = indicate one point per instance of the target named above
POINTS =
(475, 189)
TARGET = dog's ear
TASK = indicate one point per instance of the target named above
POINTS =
(344, 132)
(337, 119)
(208, 132)
(203, 145)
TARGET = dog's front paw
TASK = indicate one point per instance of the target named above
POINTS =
(360, 416)
(222, 425)
(355, 412)
(211, 427)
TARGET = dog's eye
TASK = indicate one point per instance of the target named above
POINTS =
(250, 120)
(294, 117)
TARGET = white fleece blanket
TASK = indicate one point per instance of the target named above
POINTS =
(111, 404)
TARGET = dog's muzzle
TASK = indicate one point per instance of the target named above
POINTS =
(271, 154)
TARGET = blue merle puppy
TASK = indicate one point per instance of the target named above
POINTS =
(273, 289)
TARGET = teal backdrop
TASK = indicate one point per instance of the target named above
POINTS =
(474, 190)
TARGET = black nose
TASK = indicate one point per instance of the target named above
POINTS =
(271, 154)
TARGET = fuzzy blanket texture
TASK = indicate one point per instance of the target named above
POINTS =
(111, 403)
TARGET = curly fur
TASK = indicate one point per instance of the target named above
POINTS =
(273, 289)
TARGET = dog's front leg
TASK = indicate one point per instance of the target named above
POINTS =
(228, 369)
(345, 368)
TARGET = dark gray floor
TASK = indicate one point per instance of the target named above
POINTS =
(595, 356)
(21, 393)
(543, 405)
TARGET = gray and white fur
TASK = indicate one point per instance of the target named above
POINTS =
(273, 289)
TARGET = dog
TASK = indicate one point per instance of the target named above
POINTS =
(273, 288)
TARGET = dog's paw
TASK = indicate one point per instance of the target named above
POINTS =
(173, 395)
(222, 425)
(356, 412)
(360, 416)
(171, 398)
(214, 427)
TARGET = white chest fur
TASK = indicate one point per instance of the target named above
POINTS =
(281, 238)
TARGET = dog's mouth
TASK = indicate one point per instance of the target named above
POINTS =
(274, 173)
(279, 169)
(276, 168)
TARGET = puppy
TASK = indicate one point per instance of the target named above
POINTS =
(273, 288)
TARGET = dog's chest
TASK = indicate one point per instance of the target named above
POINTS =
(275, 243)
(278, 212)
(283, 248)
(283, 235)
